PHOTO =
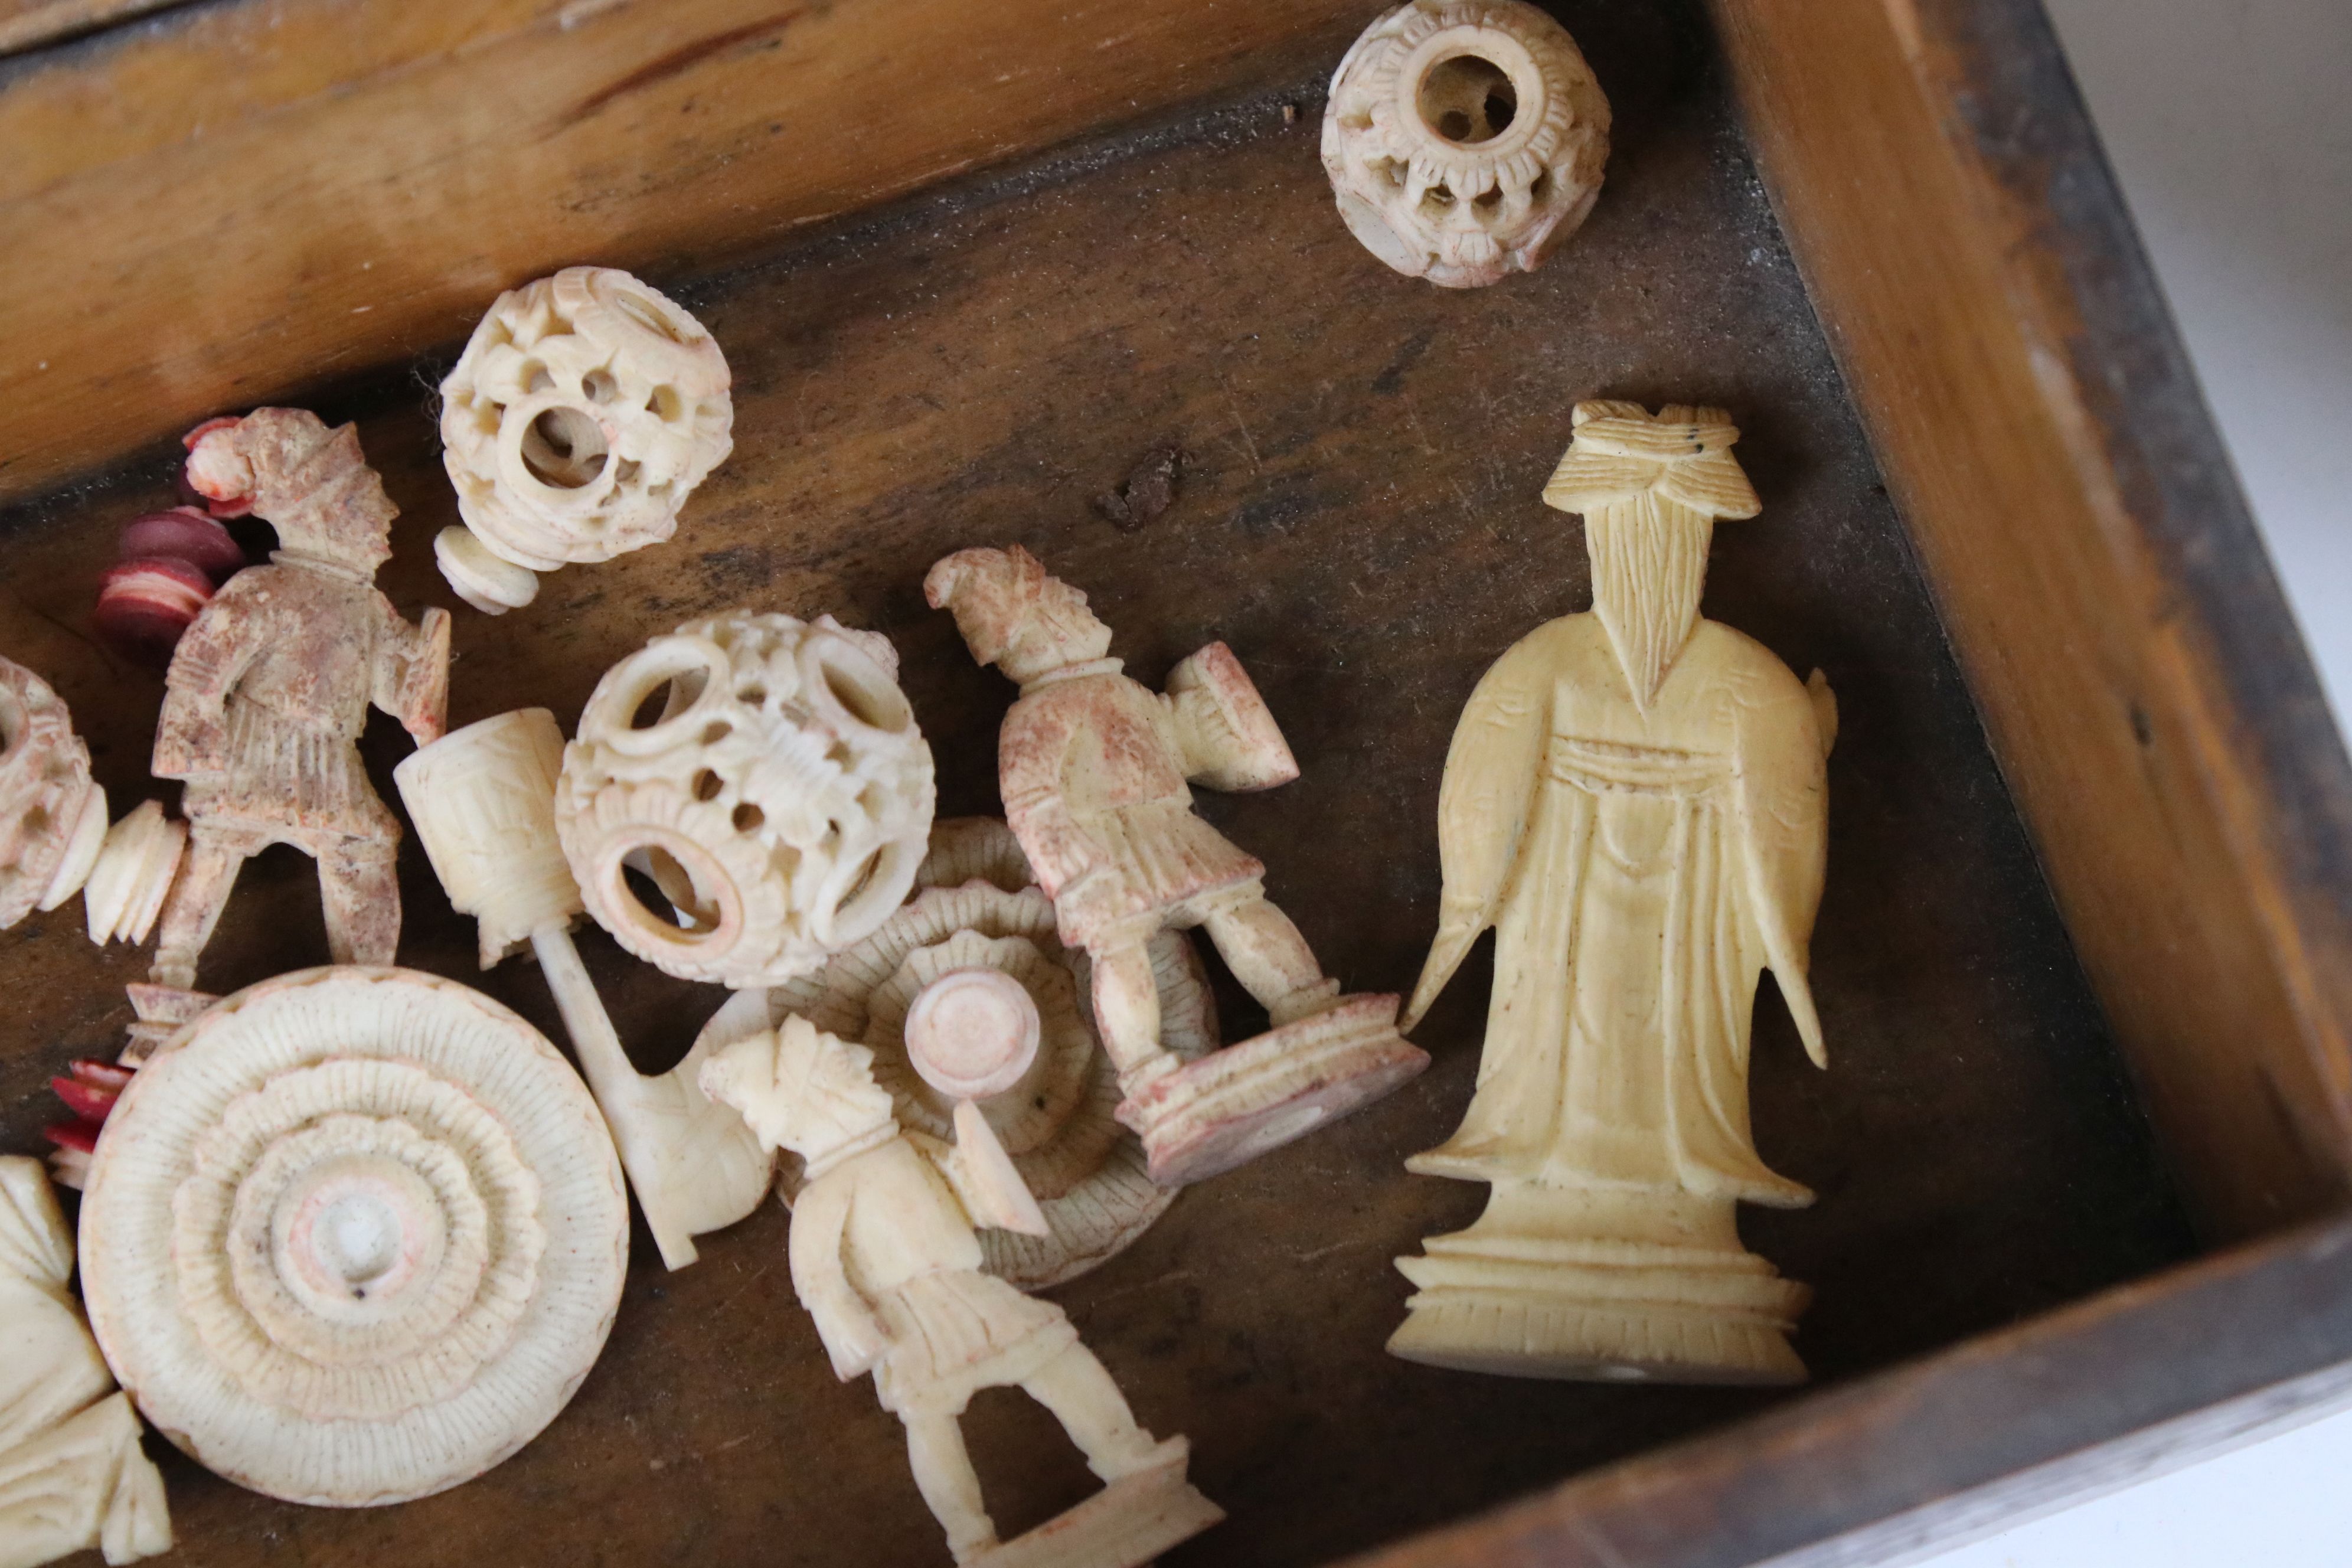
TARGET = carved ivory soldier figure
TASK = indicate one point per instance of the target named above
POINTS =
(1093, 767)
(270, 687)
(1636, 801)
(884, 1258)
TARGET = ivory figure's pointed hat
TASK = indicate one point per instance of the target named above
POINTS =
(1681, 454)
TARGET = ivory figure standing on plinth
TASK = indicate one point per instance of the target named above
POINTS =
(1094, 768)
(1636, 801)
(885, 1259)
(269, 689)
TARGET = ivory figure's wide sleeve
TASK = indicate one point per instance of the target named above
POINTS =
(1482, 805)
(844, 1321)
(1780, 800)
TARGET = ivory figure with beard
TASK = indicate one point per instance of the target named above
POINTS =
(1636, 800)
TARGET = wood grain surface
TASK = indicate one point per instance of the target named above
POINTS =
(2136, 667)
(238, 201)
(1357, 514)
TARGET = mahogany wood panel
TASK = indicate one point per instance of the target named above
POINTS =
(1359, 515)
(2141, 1380)
(2122, 633)
(245, 199)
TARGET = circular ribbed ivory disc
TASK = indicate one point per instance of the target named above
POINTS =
(355, 1238)
(979, 906)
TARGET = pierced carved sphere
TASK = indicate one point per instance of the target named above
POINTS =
(1465, 139)
(585, 409)
(355, 1237)
(978, 909)
(52, 817)
(746, 797)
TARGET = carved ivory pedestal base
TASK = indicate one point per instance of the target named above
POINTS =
(160, 1012)
(1128, 1523)
(1605, 1286)
(1230, 1106)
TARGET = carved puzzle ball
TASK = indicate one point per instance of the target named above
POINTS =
(747, 796)
(52, 817)
(585, 409)
(1465, 139)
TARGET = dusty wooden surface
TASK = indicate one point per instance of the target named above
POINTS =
(237, 200)
(2137, 669)
(1359, 517)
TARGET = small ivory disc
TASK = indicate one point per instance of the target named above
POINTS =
(489, 582)
(973, 1033)
(978, 909)
(355, 1237)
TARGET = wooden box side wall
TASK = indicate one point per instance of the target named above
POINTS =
(237, 202)
(2135, 665)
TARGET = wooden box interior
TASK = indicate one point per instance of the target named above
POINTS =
(1359, 517)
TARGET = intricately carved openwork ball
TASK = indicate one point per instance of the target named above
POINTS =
(746, 796)
(582, 415)
(1465, 139)
(355, 1237)
(52, 817)
(976, 910)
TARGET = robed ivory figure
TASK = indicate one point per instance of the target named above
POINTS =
(1636, 801)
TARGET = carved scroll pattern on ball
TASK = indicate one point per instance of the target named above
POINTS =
(780, 799)
(1465, 139)
(585, 409)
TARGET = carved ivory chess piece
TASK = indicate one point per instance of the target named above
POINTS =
(1093, 767)
(585, 409)
(483, 800)
(780, 799)
(269, 689)
(1636, 800)
(884, 1258)
(356, 1237)
(1465, 139)
(977, 906)
(71, 1472)
(54, 838)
